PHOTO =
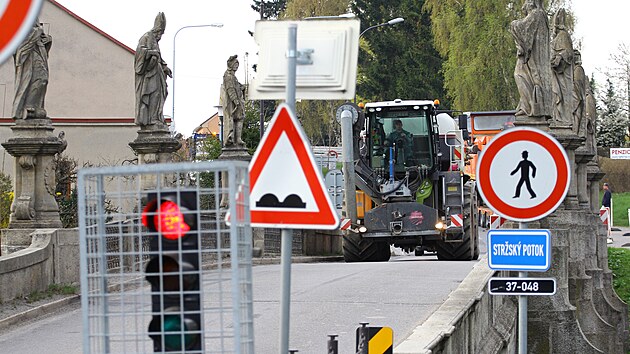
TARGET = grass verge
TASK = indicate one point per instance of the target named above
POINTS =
(619, 263)
(621, 204)
(54, 289)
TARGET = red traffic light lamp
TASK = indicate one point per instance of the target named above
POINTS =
(173, 271)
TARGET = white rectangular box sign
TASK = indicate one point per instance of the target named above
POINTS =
(620, 153)
(333, 45)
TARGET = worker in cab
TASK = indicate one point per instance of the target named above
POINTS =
(401, 140)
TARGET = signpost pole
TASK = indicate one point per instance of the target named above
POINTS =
(287, 234)
(522, 311)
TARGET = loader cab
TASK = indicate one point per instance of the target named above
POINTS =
(402, 131)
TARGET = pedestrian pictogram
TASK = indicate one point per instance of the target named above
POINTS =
(287, 191)
(524, 166)
(523, 174)
(16, 21)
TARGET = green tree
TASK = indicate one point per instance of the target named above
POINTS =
(479, 51)
(612, 122)
(620, 75)
(270, 9)
(298, 9)
(6, 198)
(398, 61)
(473, 36)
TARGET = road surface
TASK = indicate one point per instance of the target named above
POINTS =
(327, 298)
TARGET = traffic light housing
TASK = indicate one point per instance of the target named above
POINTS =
(174, 271)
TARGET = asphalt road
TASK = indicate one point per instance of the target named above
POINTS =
(327, 298)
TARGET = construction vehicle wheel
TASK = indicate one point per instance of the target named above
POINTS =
(468, 248)
(359, 249)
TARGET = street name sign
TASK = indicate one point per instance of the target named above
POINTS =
(16, 21)
(522, 286)
(523, 174)
(519, 249)
(287, 190)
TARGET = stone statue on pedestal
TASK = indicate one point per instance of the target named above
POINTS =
(590, 107)
(562, 69)
(234, 104)
(532, 73)
(33, 144)
(580, 87)
(31, 74)
(151, 72)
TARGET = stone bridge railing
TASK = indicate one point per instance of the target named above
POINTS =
(51, 256)
(469, 321)
(584, 316)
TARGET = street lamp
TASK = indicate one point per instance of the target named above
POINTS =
(388, 23)
(218, 25)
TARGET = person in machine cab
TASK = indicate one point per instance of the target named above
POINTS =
(401, 138)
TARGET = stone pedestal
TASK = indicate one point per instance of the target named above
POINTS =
(582, 158)
(553, 326)
(570, 142)
(155, 144)
(605, 300)
(237, 153)
(582, 268)
(594, 175)
(541, 123)
(34, 147)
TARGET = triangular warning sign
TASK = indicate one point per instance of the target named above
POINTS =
(286, 189)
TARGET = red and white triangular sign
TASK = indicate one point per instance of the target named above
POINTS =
(286, 189)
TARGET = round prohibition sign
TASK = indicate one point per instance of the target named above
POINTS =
(16, 21)
(523, 174)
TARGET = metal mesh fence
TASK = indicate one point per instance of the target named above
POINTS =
(165, 272)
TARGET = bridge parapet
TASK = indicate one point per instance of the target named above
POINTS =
(469, 321)
(51, 258)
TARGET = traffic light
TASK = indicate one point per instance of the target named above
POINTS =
(173, 271)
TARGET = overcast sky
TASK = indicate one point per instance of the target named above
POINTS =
(201, 53)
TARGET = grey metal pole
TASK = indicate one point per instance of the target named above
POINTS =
(287, 234)
(348, 165)
(522, 311)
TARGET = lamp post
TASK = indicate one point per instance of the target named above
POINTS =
(218, 25)
(388, 23)
(220, 114)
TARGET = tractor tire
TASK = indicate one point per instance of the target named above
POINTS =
(359, 249)
(468, 248)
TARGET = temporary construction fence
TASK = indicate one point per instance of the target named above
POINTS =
(164, 272)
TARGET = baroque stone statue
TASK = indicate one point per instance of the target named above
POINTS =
(590, 107)
(562, 69)
(31, 74)
(234, 104)
(151, 72)
(580, 87)
(532, 73)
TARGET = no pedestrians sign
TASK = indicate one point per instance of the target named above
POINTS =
(523, 174)
(16, 21)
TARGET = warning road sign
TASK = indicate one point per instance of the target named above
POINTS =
(523, 174)
(287, 191)
(16, 21)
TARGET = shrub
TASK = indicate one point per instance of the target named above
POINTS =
(6, 198)
(617, 174)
